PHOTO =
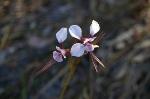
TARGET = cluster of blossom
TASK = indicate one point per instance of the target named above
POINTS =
(78, 49)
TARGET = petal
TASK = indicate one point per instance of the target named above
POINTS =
(77, 50)
(94, 28)
(75, 31)
(61, 35)
(62, 51)
(57, 56)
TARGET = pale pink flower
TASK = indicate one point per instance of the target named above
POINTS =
(78, 49)
(60, 53)
(86, 45)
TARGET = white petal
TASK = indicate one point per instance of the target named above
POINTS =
(94, 28)
(77, 50)
(57, 56)
(75, 31)
(61, 35)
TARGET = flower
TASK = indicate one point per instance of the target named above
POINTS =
(60, 52)
(78, 49)
(86, 45)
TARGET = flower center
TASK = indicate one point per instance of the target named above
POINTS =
(89, 47)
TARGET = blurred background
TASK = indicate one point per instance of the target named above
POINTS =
(27, 39)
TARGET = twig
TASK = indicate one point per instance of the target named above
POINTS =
(44, 68)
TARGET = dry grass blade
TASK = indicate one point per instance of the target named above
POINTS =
(6, 36)
(94, 64)
(97, 60)
(99, 38)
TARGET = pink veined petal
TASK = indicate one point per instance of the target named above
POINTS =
(94, 28)
(63, 52)
(75, 31)
(57, 56)
(77, 50)
(61, 35)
